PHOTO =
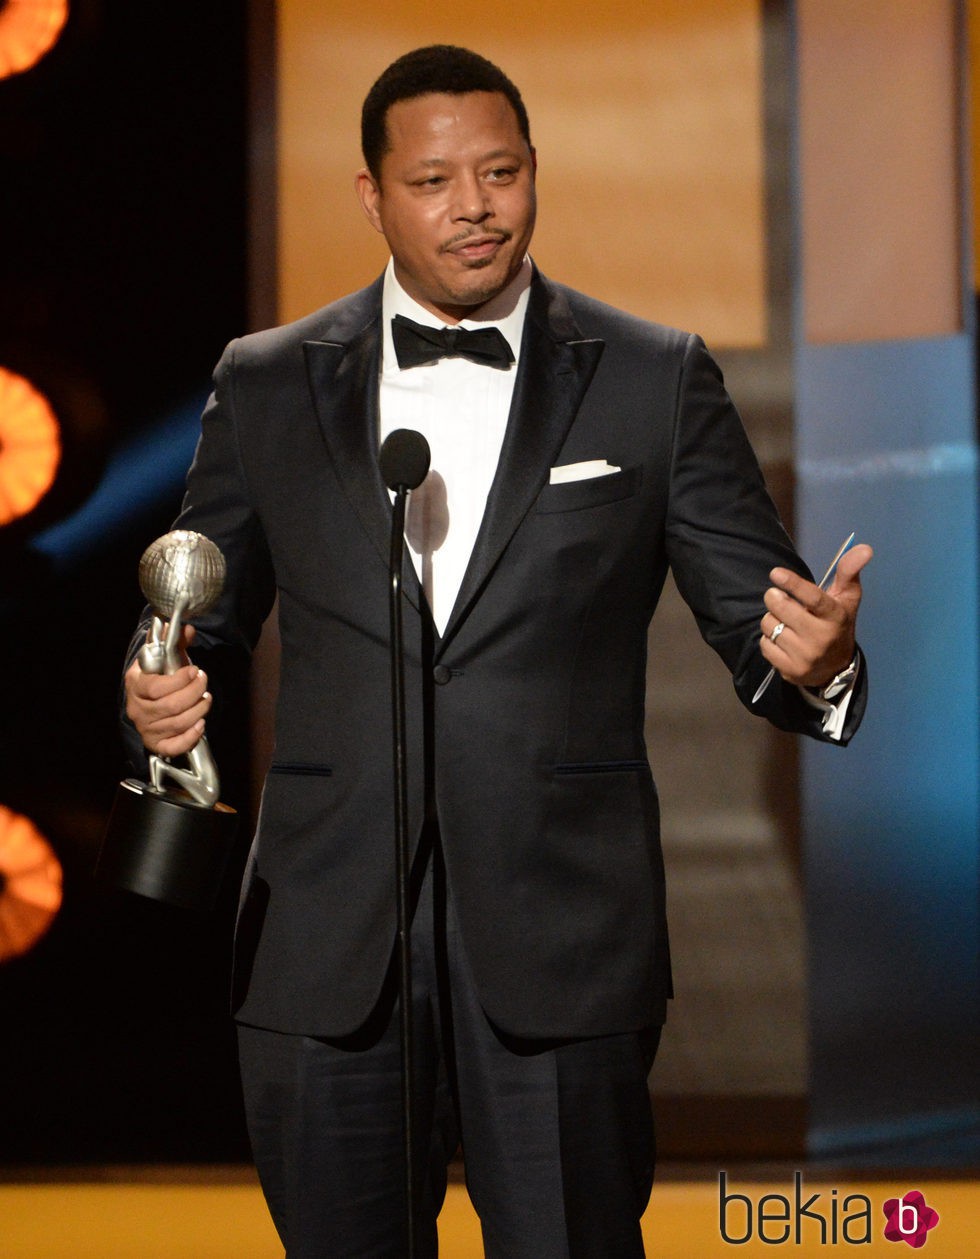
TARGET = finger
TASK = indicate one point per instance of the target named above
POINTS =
(792, 586)
(810, 655)
(149, 687)
(847, 578)
(169, 736)
(774, 628)
(798, 615)
(164, 683)
(184, 640)
(778, 639)
(154, 702)
(169, 717)
(187, 635)
(178, 745)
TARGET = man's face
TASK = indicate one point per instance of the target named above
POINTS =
(455, 200)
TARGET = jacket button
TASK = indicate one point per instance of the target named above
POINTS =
(441, 674)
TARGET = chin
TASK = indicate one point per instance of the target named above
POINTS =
(482, 287)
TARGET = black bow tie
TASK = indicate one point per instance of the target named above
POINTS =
(416, 344)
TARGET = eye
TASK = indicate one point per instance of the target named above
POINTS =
(502, 174)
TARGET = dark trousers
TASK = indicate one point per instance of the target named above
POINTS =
(557, 1136)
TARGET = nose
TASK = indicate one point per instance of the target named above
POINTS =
(472, 201)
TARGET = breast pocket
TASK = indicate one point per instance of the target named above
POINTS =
(592, 492)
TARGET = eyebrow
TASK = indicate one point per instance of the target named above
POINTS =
(485, 157)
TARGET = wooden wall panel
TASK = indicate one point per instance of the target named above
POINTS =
(879, 170)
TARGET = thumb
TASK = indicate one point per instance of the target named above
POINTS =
(187, 636)
(847, 580)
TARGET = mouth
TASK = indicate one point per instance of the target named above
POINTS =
(476, 247)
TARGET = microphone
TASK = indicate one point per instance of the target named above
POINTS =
(404, 459)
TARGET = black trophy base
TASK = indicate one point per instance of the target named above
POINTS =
(160, 845)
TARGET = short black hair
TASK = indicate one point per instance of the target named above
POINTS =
(437, 68)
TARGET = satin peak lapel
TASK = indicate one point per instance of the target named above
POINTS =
(343, 379)
(555, 370)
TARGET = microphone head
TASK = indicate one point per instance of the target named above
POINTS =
(404, 459)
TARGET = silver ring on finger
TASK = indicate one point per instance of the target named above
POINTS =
(777, 630)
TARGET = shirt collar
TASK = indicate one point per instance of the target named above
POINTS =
(506, 311)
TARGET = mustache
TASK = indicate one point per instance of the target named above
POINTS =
(481, 233)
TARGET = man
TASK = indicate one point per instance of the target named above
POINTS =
(582, 453)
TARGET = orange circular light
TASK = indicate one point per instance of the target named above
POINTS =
(28, 28)
(30, 446)
(30, 884)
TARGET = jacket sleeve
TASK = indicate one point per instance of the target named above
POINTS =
(217, 503)
(723, 538)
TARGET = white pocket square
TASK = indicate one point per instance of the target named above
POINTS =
(581, 471)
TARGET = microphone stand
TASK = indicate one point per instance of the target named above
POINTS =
(404, 942)
(404, 462)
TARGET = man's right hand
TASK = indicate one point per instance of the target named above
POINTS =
(168, 709)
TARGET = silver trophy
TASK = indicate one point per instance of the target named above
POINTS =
(170, 838)
(181, 576)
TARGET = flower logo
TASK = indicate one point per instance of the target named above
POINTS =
(909, 1219)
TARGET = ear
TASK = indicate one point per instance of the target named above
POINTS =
(369, 195)
(534, 162)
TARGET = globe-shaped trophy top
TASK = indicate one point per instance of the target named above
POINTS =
(182, 563)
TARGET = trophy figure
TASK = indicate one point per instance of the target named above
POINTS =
(169, 839)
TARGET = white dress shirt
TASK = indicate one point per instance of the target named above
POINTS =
(461, 409)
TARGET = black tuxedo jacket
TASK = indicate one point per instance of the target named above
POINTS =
(525, 719)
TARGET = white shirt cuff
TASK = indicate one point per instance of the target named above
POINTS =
(834, 710)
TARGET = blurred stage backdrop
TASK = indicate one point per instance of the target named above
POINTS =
(792, 180)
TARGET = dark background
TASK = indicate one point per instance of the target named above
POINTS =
(122, 275)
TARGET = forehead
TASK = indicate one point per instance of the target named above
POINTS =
(442, 126)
